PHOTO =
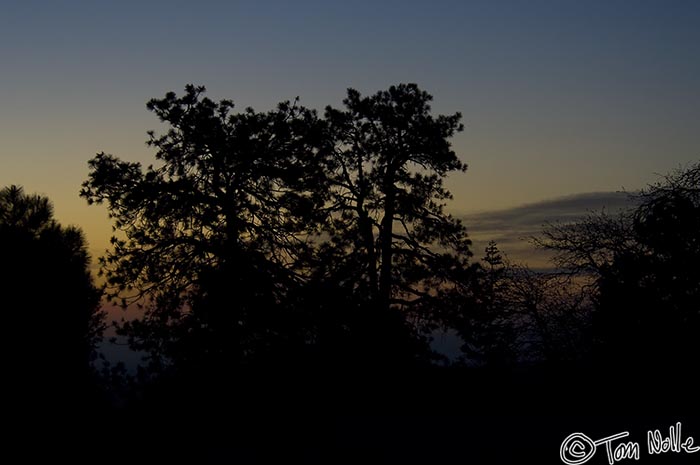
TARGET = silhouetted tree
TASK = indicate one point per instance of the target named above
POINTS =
(643, 264)
(215, 235)
(480, 312)
(52, 320)
(390, 238)
(507, 313)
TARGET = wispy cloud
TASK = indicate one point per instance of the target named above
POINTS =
(511, 228)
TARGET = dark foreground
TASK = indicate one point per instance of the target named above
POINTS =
(433, 416)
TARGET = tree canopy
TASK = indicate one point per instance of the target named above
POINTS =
(386, 172)
(53, 320)
(246, 216)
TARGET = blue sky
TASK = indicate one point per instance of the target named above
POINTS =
(558, 97)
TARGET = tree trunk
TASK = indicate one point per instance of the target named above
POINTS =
(385, 280)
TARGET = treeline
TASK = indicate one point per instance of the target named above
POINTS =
(295, 247)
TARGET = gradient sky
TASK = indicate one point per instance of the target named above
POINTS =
(558, 97)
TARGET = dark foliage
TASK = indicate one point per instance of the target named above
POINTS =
(390, 240)
(51, 326)
(643, 263)
(213, 238)
(52, 312)
(252, 225)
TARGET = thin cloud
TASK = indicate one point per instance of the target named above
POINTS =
(511, 228)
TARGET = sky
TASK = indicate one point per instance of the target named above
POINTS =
(560, 98)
